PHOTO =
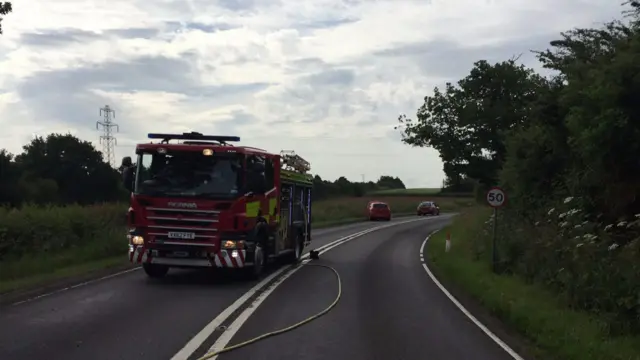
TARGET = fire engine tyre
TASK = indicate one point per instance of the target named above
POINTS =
(155, 271)
(295, 256)
(254, 271)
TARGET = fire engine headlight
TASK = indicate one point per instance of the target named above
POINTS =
(232, 244)
(137, 240)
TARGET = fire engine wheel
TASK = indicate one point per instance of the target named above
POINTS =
(155, 271)
(295, 256)
(254, 271)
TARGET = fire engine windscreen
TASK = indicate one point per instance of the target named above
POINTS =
(188, 174)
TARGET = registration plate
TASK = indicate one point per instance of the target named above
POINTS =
(181, 254)
(181, 235)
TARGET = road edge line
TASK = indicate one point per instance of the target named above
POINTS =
(460, 307)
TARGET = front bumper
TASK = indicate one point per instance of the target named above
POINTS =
(139, 254)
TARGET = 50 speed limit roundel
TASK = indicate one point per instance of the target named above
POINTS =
(496, 197)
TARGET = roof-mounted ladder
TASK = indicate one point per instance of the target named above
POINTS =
(292, 162)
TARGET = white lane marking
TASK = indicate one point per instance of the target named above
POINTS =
(320, 233)
(77, 285)
(204, 334)
(226, 336)
(455, 301)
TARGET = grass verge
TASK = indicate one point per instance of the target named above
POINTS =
(554, 330)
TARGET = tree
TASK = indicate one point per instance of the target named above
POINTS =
(389, 182)
(9, 175)
(537, 154)
(5, 8)
(76, 167)
(468, 123)
(601, 68)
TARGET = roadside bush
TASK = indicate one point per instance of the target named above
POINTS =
(551, 329)
(50, 230)
(593, 265)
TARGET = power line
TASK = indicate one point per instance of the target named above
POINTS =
(107, 140)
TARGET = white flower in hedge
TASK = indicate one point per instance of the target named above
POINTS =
(608, 227)
(561, 216)
(551, 211)
(537, 223)
(568, 200)
(579, 245)
(564, 224)
(589, 237)
(613, 246)
(577, 226)
(622, 224)
(573, 212)
(637, 216)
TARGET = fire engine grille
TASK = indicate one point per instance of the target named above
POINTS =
(201, 223)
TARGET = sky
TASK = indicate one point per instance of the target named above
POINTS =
(325, 78)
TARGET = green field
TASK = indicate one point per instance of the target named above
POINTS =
(407, 192)
(41, 244)
(554, 330)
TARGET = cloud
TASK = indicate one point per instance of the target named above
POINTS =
(326, 78)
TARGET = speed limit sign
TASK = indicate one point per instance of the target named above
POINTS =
(496, 197)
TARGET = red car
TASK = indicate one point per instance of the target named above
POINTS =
(428, 208)
(378, 210)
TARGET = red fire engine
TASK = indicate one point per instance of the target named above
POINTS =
(202, 202)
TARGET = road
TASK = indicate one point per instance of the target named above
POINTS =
(389, 310)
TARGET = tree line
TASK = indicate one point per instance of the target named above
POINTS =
(565, 147)
(574, 133)
(63, 169)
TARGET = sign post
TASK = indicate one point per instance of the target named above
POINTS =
(496, 198)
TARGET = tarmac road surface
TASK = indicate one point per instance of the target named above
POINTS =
(389, 310)
(127, 316)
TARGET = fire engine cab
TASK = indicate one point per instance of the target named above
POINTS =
(199, 201)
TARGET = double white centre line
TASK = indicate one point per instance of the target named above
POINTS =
(197, 341)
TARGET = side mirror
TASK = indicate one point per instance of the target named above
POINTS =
(126, 163)
(128, 176)
(128, 173)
